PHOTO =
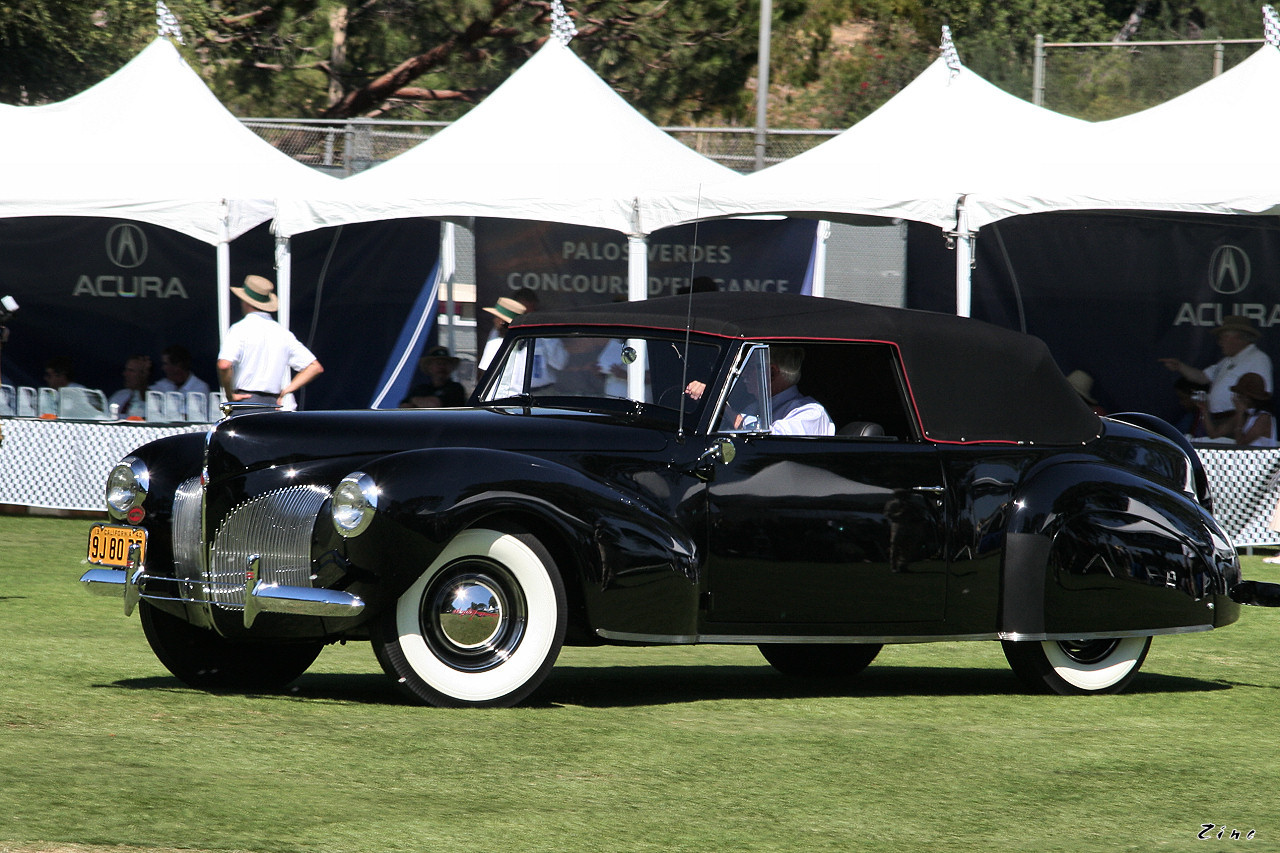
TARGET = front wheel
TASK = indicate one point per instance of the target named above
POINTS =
(820, 660)
(482, 626)
(1070, 667)
(206, 660)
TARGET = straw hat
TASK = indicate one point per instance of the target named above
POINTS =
(1236, 323)
(259, 292)
(506, 309)
(1083, 383)
(439, 354)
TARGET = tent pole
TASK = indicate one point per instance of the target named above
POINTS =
(448, 274)
(224, 277)
(964, 262)
(284, 278)
(820, 258)
(637, 268)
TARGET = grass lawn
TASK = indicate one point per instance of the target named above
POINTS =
(673, 749)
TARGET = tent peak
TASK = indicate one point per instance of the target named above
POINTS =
(949, 52)
(562, 28)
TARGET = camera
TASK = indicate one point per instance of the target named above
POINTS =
(8, 307)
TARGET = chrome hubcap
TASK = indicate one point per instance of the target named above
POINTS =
(473, 615)
(1088, 651)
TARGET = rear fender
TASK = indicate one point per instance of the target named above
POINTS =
(1094, 549)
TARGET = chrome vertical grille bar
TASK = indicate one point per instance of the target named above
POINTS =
(277, 526)
(188, 536)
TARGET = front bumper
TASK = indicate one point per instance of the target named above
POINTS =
(259, 596)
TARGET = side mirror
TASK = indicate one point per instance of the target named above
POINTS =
(722, 451)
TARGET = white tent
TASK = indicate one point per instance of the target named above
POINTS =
(552, 143)
(150, 143)
(1210, 150)
(945, 135)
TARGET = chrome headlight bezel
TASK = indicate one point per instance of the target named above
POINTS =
(355, 503)
(127, 487)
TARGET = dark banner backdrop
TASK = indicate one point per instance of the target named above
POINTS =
(100, 290)
(569, 265)
(1112, 293)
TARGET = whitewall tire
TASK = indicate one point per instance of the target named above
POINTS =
(1078, 666)
(482, 625)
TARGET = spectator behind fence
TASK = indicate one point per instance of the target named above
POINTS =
(175, 364)
(1249, 424)
(131, 400)
(440, 388)
(59, 372)
(1237, 338)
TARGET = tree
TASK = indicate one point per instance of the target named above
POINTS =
(52, 50)
(676, 61)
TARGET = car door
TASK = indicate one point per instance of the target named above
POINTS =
(812, 530)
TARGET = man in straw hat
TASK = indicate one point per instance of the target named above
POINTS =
(1237, 338)
(260, 361)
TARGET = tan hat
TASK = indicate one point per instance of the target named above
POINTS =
(1236, 323)
(1083, 383)
(507, 309)
(1253, 387)
(259, 292)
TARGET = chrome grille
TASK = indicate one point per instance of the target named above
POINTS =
(277, 526)
(188, 535)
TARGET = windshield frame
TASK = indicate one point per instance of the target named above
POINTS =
(498, 387)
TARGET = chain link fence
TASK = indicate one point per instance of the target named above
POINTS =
(345, 147)
(1104, 80)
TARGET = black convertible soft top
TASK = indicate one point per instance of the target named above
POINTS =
(970, 381)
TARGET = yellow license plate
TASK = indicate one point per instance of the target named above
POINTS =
(109, 545)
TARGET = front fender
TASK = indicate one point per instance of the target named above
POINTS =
(620, 549)
(1095, 549)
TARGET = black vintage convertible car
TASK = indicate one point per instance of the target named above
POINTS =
(607, 488)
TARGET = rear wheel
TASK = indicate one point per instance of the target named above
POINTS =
(820, 660)
(206, 660)
(1071, 667)
(482, 626)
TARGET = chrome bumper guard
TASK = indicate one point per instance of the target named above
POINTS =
(260, 596)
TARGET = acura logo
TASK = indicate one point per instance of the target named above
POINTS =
(1229, 270)
(126, 245)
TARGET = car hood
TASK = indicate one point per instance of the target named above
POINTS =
(250, 442)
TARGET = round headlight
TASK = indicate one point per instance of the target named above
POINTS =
(127, 486)
(355, 501)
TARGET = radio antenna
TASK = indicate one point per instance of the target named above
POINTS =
(688, 316)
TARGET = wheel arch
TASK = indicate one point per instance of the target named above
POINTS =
(1093, 550)
(594, 530)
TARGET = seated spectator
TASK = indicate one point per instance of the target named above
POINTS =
(1191, 423)
(1249, 425)
(1083, 383)
(59, 372)
(175, 364)
(131, 400)
(440, 388)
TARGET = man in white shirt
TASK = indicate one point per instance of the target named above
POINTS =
(175, 364)
(1237, 338)
(793, 412)
(260, 361)
(131, 400)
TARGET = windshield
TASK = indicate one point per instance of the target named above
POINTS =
(651, 370)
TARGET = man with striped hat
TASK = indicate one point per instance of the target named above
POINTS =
(260, 361)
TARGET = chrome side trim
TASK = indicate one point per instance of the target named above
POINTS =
(1105, 635)
(886, 639)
